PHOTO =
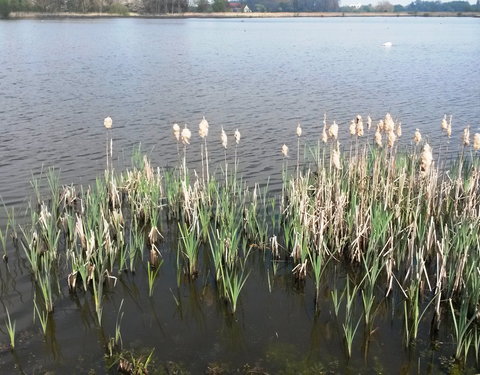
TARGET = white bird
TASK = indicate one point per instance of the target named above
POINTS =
(387, 44)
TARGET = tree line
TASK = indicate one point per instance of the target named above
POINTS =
(416, 7)
(180, 6)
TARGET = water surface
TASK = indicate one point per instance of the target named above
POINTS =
(60, 78)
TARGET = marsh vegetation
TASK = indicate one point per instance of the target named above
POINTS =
(376, 227)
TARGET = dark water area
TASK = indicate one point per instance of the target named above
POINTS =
(60, 78)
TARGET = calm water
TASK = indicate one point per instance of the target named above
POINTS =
(59, 79)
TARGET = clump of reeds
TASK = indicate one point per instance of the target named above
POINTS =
(396, 223)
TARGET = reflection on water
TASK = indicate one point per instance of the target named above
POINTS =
(59, 79)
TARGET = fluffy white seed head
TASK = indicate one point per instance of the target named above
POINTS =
(417, 136)
(299, 130)
(107, 122)
(466, 136)
(352, 128)
(391, 138)
(336, 159)
(388, 123)
(224, 138)
(203, 128)
(333, 131)
(399, 129)
(378, 138)
(381, 125)
(444, 123)
(324, 134)
(476, 141)
(237, 136)
(426, 159)
(359, 128)
(186, 135)
(369, 122)
(176, 131)
(285, 150)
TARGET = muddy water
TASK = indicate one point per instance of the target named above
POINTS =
(59, 79)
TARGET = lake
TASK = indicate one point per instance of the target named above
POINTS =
(60, 78)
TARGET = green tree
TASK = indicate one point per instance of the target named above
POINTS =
(219, 6)
(202, 5)
(5, 8)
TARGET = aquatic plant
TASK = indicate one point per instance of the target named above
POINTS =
(396, 222)
(10, 329)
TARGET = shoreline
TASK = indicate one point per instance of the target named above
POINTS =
(234, 15)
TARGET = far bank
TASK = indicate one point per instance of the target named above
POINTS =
(60, 15)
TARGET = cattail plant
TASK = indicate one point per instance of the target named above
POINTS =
(359, 126)
(388, 123)
(336, 158)
(391, 138)
(476, 141)
(378, 138)
(299, 134)
(224, 139)
(426, 159)
(352, 128)
(324, 134)
(185, 136)
(284, 171)
(107, 123)
(466, 136)
(398, 130)
(333, 131)
(203, 132)
(417, 137)
(176, 133)
(444, 123)
(237, 137)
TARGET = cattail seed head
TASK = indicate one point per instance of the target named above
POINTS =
(203, 128)
(224, 138)
(333, 130)
(176, 131)
(378, 138)
(324, 134)
(417, 136)
(391, 138)
(381, 125)
(399, 130)
(444, 123)
(466, 136)
(388, 123)
(352, 127)
(336, 159)
(107, 122)
(359, 128)
(285, 150)
(369, 122)
(426, 159)
(476, 141)
(237, 136)
(299, 130)
(186, 135)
